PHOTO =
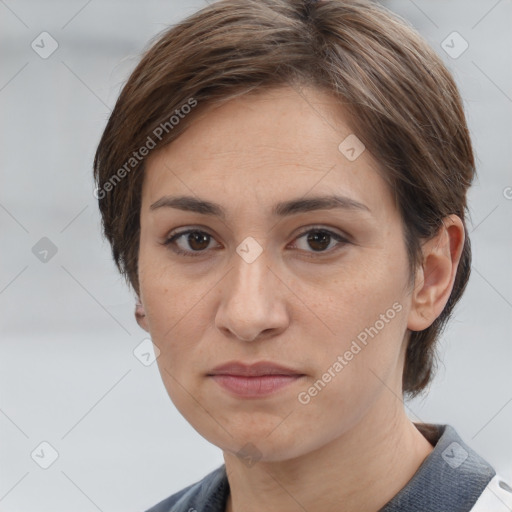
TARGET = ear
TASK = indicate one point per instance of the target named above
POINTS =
(435, 277)
(140, 315)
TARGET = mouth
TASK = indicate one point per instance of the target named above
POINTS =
(259, 369)
(254, 380)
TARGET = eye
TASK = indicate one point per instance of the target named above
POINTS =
(320, 239)
(197, 240)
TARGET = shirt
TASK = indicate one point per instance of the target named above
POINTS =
(452, 478)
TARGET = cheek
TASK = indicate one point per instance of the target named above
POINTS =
(167, 296)
(352, 297)
(169, 305)
(176, 322)
(360, 322)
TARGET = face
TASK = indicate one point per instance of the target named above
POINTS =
(255, 267)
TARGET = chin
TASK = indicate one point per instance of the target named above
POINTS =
(263, 447)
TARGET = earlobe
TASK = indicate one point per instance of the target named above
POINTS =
(140, 315)
(435, 277)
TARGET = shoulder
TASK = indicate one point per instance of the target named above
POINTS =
(208, 494)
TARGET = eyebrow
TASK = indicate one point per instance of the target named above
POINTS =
(286, 208)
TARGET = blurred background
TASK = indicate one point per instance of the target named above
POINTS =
(85, 422)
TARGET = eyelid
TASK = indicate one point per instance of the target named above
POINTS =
(186, 229)
(326, 228)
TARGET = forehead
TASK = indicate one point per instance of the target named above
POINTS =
(266, 146)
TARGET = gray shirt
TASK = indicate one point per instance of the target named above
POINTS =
(451, 479)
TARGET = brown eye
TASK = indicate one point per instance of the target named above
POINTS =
(189, 242)
(198, 241)
(319, 240)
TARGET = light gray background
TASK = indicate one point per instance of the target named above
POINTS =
(68, 375)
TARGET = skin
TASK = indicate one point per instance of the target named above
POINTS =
(351, 447)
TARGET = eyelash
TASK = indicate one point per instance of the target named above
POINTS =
(171, 241)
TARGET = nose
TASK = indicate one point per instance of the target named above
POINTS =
(253, 301)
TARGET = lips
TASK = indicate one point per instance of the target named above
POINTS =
(259, 369)
(255, 380)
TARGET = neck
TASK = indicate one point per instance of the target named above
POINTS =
(361, 470)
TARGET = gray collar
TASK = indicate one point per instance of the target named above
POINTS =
(450, 479)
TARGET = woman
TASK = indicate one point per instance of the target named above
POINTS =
(283, 184)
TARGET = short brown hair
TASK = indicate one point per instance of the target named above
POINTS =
(401, 100)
